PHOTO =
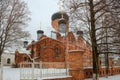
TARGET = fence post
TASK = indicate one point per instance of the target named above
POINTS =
(41, 69)
(67, 68)
(20, 71)
(33, 70)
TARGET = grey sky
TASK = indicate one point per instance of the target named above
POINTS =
(41, 11)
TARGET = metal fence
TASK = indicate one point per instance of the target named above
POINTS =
(29, 70)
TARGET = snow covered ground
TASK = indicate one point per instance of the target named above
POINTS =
(115, 77)
(14, 74)
(11, 74)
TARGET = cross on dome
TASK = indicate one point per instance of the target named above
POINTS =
(60, 4)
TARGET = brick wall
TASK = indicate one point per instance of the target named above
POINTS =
(50, 50)
(21, 57)
(75, 65)
(102, 72)
(113, 70)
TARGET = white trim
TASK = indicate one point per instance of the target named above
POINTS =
(55, 77)
(75, 51)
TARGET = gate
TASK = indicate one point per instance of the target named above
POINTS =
(43, 70)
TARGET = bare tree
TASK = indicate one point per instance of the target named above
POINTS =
(13, 17)
(107, 39)
(93, 14)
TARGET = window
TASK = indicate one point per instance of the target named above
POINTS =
(56, 52)
(86, 73)
(100, 62)
(53, 34)
(39, 49)
(90, 73)
(62, 28)
(25, 59)
(8, 61)
(100, 72)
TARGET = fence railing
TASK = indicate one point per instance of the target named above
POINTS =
(29, 70)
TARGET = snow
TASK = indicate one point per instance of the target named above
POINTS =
(23, 50)
(75, 51)
(114, 77)
(11, 74)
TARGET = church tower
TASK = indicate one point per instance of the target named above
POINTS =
(60, 22)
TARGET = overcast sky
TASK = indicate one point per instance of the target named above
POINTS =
(41, 11)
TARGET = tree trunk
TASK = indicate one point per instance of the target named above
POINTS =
(0, 55)
(93, 41)
(106, 55)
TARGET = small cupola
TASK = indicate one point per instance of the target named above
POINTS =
(39, 34)
(25, 44)
(79, 33)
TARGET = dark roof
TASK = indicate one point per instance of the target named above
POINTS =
(40, 31)
(58, 15)
(79, 33)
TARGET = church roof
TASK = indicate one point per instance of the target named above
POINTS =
(58, 15)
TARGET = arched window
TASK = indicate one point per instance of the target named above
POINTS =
(86, 73)
(25, 59)
(8, 61)
(39, 49)
(56, 52)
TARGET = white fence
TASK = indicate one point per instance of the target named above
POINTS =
(29, 70)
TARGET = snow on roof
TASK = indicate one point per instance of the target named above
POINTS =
(23, 50)
(70, 51)
(113, 77)
(11, 52)
(88, 67)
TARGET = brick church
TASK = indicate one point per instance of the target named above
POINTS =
(62, 46)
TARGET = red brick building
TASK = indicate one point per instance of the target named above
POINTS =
(47, 49)
(64, 47)
(68, 47)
